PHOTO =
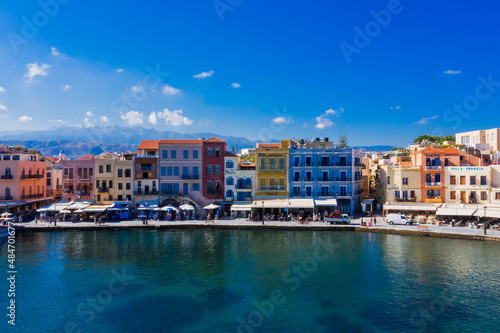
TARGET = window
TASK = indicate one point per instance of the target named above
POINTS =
(388, 180)
(453, 180)
(127, 186)
(483, 180)
(230, 181)
(176, 170)
(164, 154)
(405, 181)
(185, 154)
(229, 164)
(262, 163)
(412, 194)
(210, 170)
(473, 180)
(163, 171)
(101, 168)
(195, 172)
(120, 173)
(79, 172)
(217, 152)
(128, 173)
(108, 168)
(120, 186)
(282, 163)
(110, 184)
(173, 154)
(210, 152)
(110, 198)
(196, 187)
(396, 194)
(271, 163)
(453, 195)
(195, 155)
(217, 169)
(497, 195)
(483, 196)
(462, 180)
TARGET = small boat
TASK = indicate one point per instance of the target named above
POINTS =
(4, 231)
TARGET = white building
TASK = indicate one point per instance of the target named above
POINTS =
(240, 182)
(468, 184)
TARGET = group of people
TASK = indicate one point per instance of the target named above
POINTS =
(369, 223)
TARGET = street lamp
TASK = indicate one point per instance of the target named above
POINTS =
(484, 220)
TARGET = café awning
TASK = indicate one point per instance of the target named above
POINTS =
(325, 202)
(458, 210)
(241, 207)
(411, 207)
(279, 203)
(300, 203)
(96, 209)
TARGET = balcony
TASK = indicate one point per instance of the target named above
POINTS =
(243, 187)
(6, 198)
(36, 176)
(171, 193)
(103, 190)
(325, 194)
(343, 194)
(247, 199)
(190, 177)
(472, 200)
(302, 195)
(343, 164)
(150, 192)
(325, 164)
(213, 192)
(84, 178)
(433, 184)
(303, 179)
(343, 179)
(31, 196)
(273, 188)
(412, 199)
(432, 167)
(7, 177)
(359, 164)
(325, 179)
(275, 168)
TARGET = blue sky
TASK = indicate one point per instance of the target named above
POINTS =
(259, 69)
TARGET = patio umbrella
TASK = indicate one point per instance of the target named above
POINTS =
(186, 207)
(78, 211)
(169, 207)
(65, 211)
(211, 206)
(6, 214)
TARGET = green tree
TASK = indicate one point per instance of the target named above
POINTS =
(343, 141)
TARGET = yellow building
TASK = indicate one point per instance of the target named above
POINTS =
(400, 184)
(114, 178)
(271, 161)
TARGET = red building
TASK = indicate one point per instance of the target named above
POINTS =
(213, 152)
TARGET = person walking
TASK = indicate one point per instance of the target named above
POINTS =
(374, 221)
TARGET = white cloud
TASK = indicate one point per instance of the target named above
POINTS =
(203, 75)
(152, 119)
(323, 123)
(2, 90)
(57, 121)
(334, 112)
(3, 110)
(425, 120)
(397, 107)
(282, 120)
(452, 72)
(66, 87)
(133, 118)
(54, 51)
(174, 118)
(35, 70)
(25, 119)
(169, 90)
(89, 122)
(104, 119)
(137, 89)
(235, 85)
(119, 70)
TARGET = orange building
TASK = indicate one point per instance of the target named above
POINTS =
(433, 161)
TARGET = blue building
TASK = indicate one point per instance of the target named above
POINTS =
(331, 176)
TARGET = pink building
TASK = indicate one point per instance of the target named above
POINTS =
(78, 178)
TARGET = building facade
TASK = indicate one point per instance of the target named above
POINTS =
(114, 178)
(145, 180)
(78, 179)
(54, 177)
(213, 152)
(481, 139)
(240, 180)
(271, 160)
(401, 183)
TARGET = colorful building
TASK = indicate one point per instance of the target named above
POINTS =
(213, 152)
(78, 178)
(271, 161)
(22, 181)
(180, 171)
(114, 178)
(240, 181)
(480, 139)
(54, 176)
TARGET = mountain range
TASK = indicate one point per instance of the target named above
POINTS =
(77, 141)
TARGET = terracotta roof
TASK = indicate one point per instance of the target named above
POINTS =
(50, 158)
(214, 139)
(269, 145)
(85, 157)
(447, 151)
(149, 144)
(229, 154)
(180, 142)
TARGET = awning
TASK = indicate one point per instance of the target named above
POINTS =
(411, 207)
(169, 207)
(270, 204)
(300, 203)
(325, 202)
(79, 205)
(241, 207)
(211, 206)
(186, 207)
(96, 209)
(490, 212)
(458, 210)
(58, 206)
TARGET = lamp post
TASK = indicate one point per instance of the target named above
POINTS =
(262, 212)
(484, 220)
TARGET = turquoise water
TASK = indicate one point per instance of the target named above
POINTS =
(252, 281)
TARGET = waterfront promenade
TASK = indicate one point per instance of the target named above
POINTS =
(382, 227)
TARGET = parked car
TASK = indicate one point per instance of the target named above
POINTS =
(399, 219)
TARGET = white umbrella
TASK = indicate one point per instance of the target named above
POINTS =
(78, 211)
(6, 214)
(186, 207)
(169, 207)
(211, 206)
(65, 211)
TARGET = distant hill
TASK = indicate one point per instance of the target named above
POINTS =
(77, 141)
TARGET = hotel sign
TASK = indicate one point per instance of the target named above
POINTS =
(468, 169)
